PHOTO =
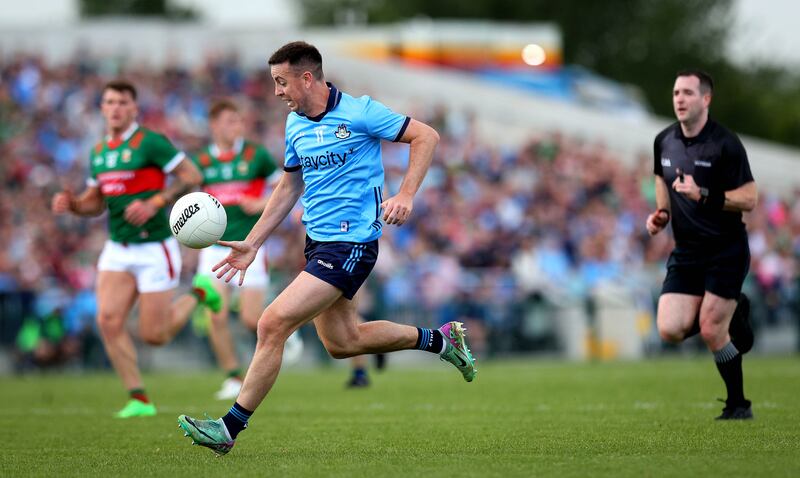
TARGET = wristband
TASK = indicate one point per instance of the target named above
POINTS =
(666, 211)
(158, 201)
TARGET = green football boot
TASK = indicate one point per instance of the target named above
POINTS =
(456, 351)
(208, 433)
(203, 287)
(136, 408)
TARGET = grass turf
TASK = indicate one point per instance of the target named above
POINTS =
(519, 418)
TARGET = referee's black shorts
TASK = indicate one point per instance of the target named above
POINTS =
(719, 268)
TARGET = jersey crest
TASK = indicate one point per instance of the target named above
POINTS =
(342, 132)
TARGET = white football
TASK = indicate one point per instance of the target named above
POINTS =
(198, 220)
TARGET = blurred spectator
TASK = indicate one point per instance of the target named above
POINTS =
(493, 229)
(43, 342)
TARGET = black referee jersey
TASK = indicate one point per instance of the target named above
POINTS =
(717, 160)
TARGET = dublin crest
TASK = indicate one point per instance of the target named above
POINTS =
(342, 132)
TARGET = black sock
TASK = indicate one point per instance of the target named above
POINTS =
(236, 419)
(729, 364)
(430, 340)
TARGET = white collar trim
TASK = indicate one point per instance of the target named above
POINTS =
(128, 132)
(238, 145)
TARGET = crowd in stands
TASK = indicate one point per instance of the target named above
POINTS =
(492, 226)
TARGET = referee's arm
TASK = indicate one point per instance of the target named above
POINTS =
(662, 194)
(659, 219)
(744, 198)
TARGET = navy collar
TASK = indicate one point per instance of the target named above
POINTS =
(334, 96)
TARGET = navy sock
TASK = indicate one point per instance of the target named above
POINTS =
(359, 372)
(236, 419)
(429, 340)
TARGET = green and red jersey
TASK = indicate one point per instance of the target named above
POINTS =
(233, 175)
(130, 168)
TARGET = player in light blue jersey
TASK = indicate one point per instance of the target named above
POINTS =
(333, 161)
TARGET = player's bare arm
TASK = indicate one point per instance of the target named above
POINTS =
(253, 206)
(280, 203)
(659, 219)
(187, 177)
(89, 203)
(422, 140)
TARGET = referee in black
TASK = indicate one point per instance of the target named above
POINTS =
(703, 183)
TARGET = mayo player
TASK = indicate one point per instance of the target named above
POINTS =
(141, 260)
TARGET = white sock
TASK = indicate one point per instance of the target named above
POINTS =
(227, 433)
(444, 342)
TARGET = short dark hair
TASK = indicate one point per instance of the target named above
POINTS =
(706, 82)
(220, 105)
(121, 86)
(300, 55)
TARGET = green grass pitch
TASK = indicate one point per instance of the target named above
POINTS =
(519, 418)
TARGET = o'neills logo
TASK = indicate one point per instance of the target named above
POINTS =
(187, 213)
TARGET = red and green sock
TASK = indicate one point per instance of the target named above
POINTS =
(139, 394)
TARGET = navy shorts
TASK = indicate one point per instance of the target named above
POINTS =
(719, 269)
(344, 265)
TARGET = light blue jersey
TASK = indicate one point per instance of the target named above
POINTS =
(339, 153)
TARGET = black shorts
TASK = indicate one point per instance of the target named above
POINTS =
(344, 265)
(719, 269)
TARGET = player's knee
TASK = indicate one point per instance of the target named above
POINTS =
(712, 332)
(272, 327)
(670, 336)
(338, 351)
(713, 325)
(670, 333)
(219, 319)
(110, 324)
(154, 338)
(341, 347)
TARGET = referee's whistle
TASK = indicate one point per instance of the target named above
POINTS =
(680, 174)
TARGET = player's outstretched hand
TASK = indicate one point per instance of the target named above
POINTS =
(242, 255)
(657, 221)
(139, 212)
(397, 209)
(62, 202)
